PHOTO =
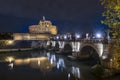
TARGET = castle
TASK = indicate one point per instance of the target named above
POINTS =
(42, 31)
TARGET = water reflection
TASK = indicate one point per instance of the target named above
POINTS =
(10, 65)
(9, 59)
(45, 62)
(38, 54)
(53, 59)
(76, 72)
(60, 63)
(48, 55)
(41, 63)
(69, 76)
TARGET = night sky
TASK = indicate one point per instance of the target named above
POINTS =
(68, 15)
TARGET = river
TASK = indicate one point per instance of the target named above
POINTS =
(42, 65)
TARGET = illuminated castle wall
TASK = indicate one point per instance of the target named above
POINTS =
(42, 31)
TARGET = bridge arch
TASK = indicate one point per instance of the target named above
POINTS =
(91, 53)
(90, 46)
(67, 48)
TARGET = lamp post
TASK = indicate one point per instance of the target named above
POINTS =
(77, 36)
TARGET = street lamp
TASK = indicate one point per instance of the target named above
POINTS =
(65, 37)
(57, 37)
(77, 36)
(98, 35)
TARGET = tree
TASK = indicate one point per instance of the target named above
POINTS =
(112, 19)
(112, 16)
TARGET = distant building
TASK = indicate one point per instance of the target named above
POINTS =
(42, 31)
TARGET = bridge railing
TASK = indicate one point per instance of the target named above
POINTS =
(80, 40)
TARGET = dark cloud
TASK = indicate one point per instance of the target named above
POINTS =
(66, 13)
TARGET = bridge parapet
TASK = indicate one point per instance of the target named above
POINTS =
(83, 40)
(99, 45)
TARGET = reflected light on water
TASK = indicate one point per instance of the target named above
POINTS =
(10, 42)
(41, 63)
(48, 55)
(76, 72)
(43, 66)
(53, 59)
(9, 59)
(11, 65)
(20, 62)
(68, 76)
(60, 63)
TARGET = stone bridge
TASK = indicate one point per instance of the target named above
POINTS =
(82, 47)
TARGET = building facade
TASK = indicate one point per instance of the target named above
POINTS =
(42, 31)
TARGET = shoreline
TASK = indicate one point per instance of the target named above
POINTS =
(14, 50)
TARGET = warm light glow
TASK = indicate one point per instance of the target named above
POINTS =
(43, 27)
(9, 59)
(41, 63)
(19, 62)
(53, 30)
(10, 42)
(42, 31)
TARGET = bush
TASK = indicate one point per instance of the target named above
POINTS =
(98, 71)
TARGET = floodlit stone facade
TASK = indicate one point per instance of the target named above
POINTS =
(42, 31)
